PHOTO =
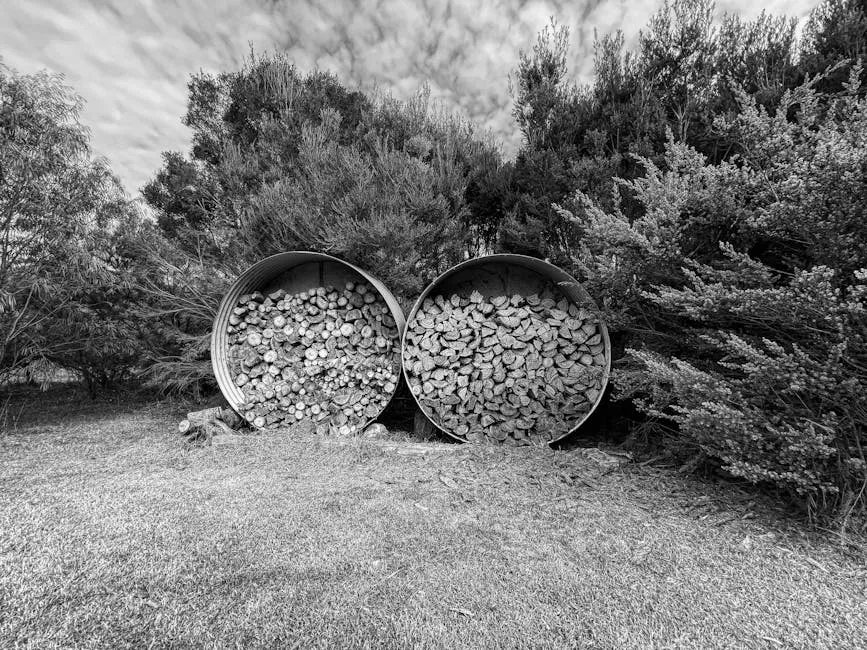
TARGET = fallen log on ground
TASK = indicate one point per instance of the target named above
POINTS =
(206, 423)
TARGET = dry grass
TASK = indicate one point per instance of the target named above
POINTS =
(113, 535)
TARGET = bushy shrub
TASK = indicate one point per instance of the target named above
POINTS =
(288, 161)
(94, 328)
(742, 289)
(398, 214)
(181, 294)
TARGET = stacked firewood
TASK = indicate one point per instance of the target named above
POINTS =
(328, 355)
(517, 369)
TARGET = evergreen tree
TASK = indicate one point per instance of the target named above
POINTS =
(741, 291)
(282, 160)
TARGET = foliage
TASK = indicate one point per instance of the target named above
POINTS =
(65, 288)
(835, 35)
(396, 212)
(96, 294)
(743, 288)
(181, 294)
(681, 79)
(287, 161)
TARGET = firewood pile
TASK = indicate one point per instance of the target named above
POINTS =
(514, 369)
(328, 355)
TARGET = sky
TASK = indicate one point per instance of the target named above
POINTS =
(131, 59)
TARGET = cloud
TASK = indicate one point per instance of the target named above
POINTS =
(131, 60)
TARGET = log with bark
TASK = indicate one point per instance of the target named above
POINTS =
(328, 355)
(516, 369)
(205, 424)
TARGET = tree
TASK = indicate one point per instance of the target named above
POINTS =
(680, 79)
(96, 296)
(283, 160)
(59, 211)
(836, 33)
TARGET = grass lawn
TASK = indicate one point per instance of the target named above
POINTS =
(113, 535)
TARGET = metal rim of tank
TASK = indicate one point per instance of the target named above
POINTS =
(256, 277)
(570, 287)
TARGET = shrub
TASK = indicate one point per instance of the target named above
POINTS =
(94, 328)
(742, 293)
(180, 296)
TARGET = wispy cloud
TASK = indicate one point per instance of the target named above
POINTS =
(131, 60)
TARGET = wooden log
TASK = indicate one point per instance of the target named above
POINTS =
(202, 431)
